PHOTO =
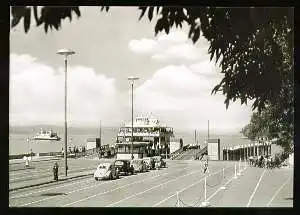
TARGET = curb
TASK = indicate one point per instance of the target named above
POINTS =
(33, 161)
(49, 182)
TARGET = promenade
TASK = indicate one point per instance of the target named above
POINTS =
(181, 184)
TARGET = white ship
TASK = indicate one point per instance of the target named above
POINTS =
(46, 135)
(150, 138)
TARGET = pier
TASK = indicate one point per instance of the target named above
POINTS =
(243, 152)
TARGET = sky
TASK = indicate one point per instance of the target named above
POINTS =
(176, 76)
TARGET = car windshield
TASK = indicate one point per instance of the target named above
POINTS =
(103, 167)
(119, 163)
(136, 161)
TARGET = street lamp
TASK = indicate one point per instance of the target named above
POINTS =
(65, 53)
(132, 79)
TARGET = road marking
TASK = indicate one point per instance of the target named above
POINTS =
(186, 188)
(253, 193)
(83, 189)
(276, 193)
(30, 176)
(36, 171)
(136, 194)
(28, 194)
(99, 194)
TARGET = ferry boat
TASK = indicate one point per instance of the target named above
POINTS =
(46, 135)
(150, 138)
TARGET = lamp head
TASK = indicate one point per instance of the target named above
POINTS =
(65, 52)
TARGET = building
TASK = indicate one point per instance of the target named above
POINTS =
(213, 149)
(150, 138)
(174, 145)
(93, 143)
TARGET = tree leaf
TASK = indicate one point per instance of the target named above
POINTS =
(143, 12)
(27, 19)
(150, 13)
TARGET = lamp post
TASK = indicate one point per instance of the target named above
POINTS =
(132, 79)
(65, 53)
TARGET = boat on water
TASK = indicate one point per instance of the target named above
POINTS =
(46, 135)
(150, 138)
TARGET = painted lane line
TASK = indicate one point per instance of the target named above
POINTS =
(128, 177)
(38, 171)
(28, 194)
(100, 194)
(136, 194)
(254, 191)
(30, 176)
(201, 179)
(276, 193)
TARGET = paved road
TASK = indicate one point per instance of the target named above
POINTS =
(159, 188)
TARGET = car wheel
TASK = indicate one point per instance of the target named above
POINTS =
(96, 178)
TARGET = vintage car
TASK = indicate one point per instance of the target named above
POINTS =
(139, 165)
(124, 167)
(106, 171)
(150, 163)
(159, 162)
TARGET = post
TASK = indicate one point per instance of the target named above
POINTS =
(235, 176)
(132, 120)
(207, 131)
(177, 199)
(223, 187)
(66, 130)
(205, 203)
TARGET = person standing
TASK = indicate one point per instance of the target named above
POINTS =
(206, 165)
(26, 162)
(55, 171)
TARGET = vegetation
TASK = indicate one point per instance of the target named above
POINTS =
(253, 46)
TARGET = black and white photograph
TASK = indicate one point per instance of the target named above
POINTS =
(151, 106)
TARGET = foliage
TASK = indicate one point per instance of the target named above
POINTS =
(254, 47)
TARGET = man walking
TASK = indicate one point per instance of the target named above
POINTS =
(206, 165)
(55, 171)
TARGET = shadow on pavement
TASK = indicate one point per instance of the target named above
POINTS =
(53, 194)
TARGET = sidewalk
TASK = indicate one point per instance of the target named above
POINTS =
(47, 180)
(34, 159)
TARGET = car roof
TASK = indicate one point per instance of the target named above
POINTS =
(104, 164)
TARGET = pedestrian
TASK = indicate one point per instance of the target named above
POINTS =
(55, 171)
(26, 162)
(206, 165)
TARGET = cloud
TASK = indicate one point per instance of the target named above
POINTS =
(164, 47)
(183, 98)
(37, 93)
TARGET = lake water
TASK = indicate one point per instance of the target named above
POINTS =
(77, 137)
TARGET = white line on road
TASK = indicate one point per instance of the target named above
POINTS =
(139, 193)
(99, 194)
(28, 194)
(82, 189)
(254, 191)
(276, 193)
(30, 176)
(186, 188)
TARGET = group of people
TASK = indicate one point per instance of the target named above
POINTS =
(261, 161)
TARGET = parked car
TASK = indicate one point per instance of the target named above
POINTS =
(159, 162)
(106, 171)
(124, 167)
(150, 162)
(139, 165)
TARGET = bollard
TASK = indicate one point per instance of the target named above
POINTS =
(245, 163)
(240, 171)
(223, 187)
(177, 199)
(205, 203)
(235, 176)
